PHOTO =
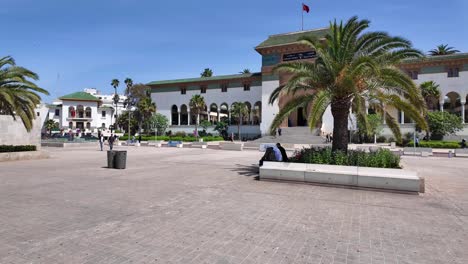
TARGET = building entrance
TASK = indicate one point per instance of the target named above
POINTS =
(301, 120)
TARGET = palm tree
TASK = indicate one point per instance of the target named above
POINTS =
(245, 71)
(129, 83)
(443, 50)
(239, 109)
(430, 91)
(352, 67)
(207, 72)
(197, 104)
(18, 93)
(146, 108)
(49, 125)
(115, 83)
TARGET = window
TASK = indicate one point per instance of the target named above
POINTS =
(224, 88)
(246, 87)
(183, 90)
(413, 74)
(203, 89)
(57, 112)
(453, 72)
(103, 125)
(103, 113)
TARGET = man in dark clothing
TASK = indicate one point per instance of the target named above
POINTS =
(111, 141)
(463, 144)
(269, 156)
(279, 131)
(283, 152)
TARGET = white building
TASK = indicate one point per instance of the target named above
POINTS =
(172, 96)
(87, 111)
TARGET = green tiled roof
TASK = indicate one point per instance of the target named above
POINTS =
(80, 96)
(439, 58)
(202, 79)
(290, 38)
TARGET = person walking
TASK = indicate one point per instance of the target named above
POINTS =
(139, 138)
(279, 131)
(111, 141)
(417, 142)
(463, 144)
(101, 140)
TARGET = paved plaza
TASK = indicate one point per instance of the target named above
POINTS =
(205, 206)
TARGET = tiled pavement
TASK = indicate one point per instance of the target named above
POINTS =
(204, 206)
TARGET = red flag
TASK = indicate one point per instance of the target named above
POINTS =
(305, 8)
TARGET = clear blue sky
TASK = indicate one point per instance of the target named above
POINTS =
(77, 44)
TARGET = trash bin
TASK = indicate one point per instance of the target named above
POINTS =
(120, 159)
(110, 159)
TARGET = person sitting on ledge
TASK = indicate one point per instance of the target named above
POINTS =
(284, 156)
(271, 154)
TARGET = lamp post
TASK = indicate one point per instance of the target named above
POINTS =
(129, 103)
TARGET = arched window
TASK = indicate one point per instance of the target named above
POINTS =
(88, 112)
(213, 114)
(224, 113)
(174, 115)
(452, 103)
(183, 115)
(80, 111)
(257, 113)
(71, 112)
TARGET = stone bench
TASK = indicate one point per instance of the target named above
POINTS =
(364, 177)
(424, 152)
(175, 144)
(144, 143)
(202, 145)
(231, 146)
(251, 145)
(461, 153)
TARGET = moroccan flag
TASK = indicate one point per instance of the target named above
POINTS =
(305, 8)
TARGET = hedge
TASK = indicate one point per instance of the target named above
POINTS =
(20, 148)
(175, 138)
(436, 144)
(382, 158)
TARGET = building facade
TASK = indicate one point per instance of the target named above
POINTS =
(172, 97)
(85, 111)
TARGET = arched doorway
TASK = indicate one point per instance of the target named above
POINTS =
(183, 115)
(246, 120)
(213, 114)
(224, 113)
(174, 115)
(452, 103)
(301, 119)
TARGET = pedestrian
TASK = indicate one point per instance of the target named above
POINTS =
(417, 142)
(111, 141)
(232, 137)
(463, 144)
(331, 138)
(283, 152)
(101, 140)
(327, 140)
(139, 138)
(279, 131)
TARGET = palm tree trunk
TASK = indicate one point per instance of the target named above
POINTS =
(340, 112)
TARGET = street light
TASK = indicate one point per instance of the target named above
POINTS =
(130, 103)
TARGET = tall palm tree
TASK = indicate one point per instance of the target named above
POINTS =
(443, 50)
(430, 91)
(197, 104)
(239, 110)
(207, 72)
(19, 95)
(352, 67)
(115, 83)
(245, 71)
(129, 83)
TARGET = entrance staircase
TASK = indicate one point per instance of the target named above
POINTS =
(294, 135)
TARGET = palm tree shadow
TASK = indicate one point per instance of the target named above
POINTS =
(248, 171)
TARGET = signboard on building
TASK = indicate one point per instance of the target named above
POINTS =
(300, 56)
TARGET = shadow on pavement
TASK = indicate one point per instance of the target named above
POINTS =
(249, 171)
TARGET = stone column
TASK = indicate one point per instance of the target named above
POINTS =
(178, 119)
(198, 119)
(188, 118)
(441, 105)
(219, 116)
(463, 111)
(402, 117)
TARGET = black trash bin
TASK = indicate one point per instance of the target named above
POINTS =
(110, 159)
(120, 160)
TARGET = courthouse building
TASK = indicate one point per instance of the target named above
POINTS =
(172, 97)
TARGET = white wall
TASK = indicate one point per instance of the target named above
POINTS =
(12, 132)
(268, 111)
(447, 85)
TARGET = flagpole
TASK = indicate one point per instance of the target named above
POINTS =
(302, 18)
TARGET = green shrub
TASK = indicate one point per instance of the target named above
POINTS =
(382, 158)
(180, 134)
(381, 139)
(391, 139)
(10, 148)
(436, 144)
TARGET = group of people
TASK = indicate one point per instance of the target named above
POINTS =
(279, 130)
(328, 138)
(274, 153)
(111, 140)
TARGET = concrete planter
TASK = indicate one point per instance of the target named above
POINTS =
(231, 146)
(388, 179)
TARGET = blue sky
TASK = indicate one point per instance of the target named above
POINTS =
(77, 44)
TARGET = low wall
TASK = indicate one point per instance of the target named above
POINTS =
(12, 132)
(24, 155)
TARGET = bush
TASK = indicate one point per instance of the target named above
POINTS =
(10, 148)
(391, 139)
(443, 123)
(180, 134)
(381, 139)
(382, 158)
(436, 144)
